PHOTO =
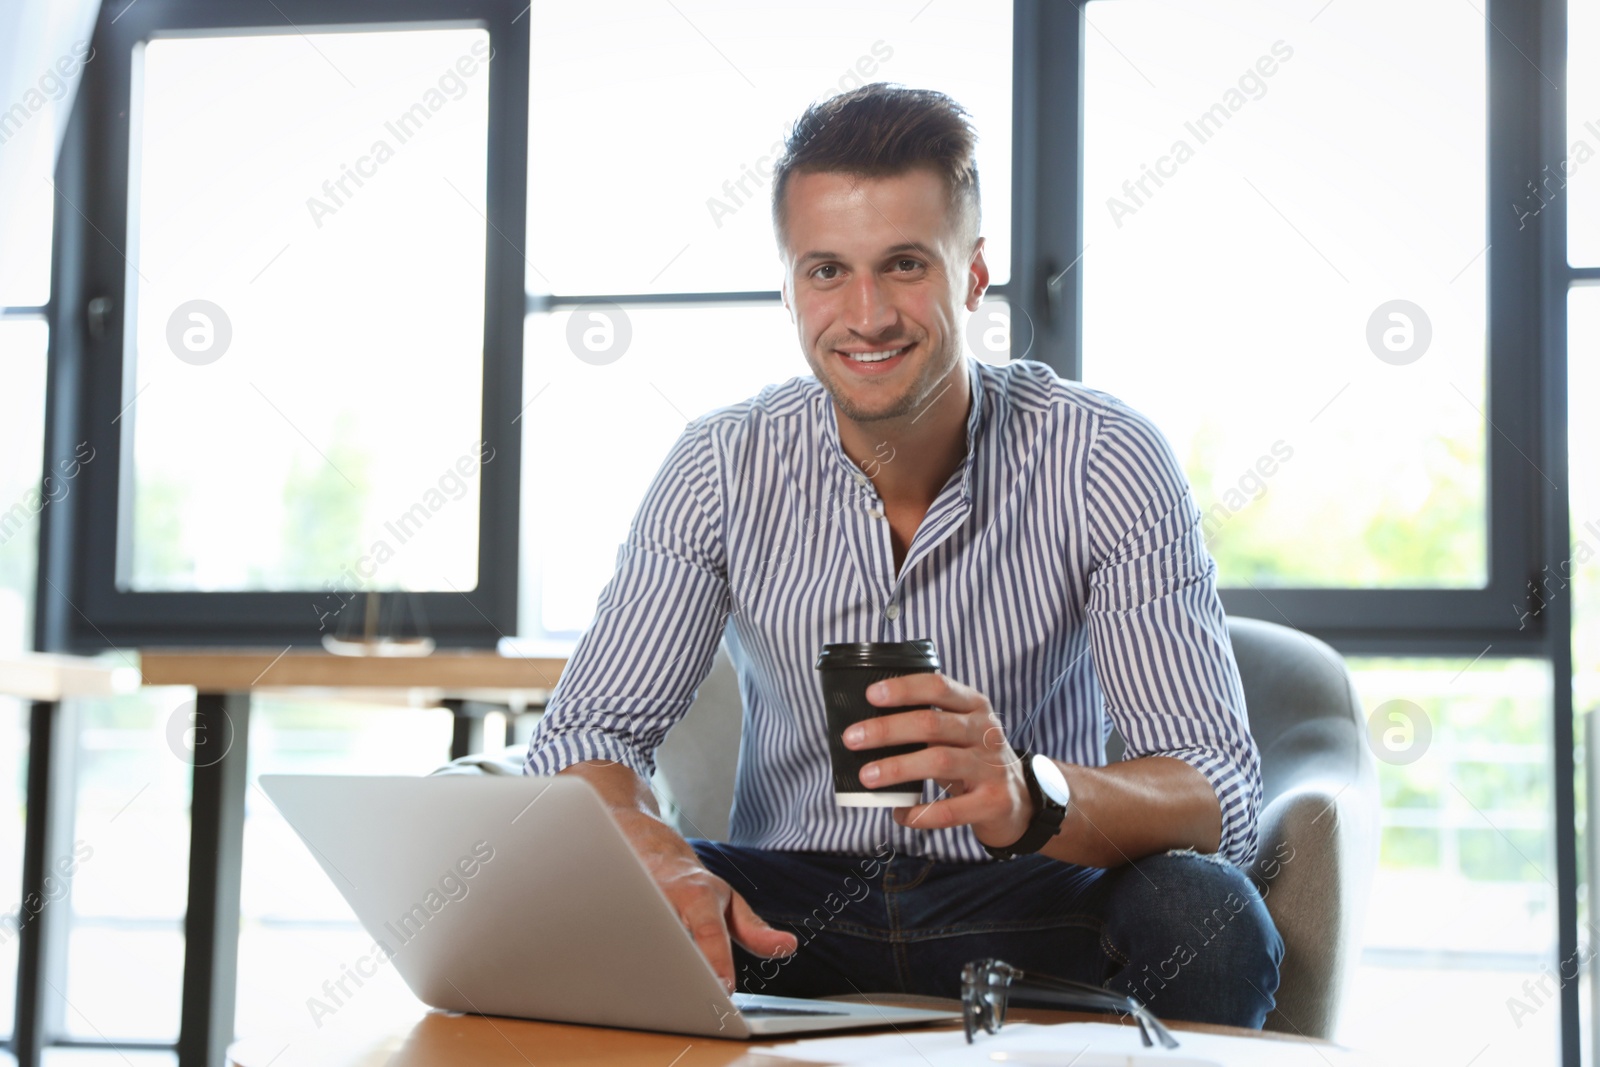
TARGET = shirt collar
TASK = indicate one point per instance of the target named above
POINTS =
(977, 417)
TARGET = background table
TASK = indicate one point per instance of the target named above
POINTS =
(464, 681)
(45, 680)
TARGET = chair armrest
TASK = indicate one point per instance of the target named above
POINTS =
(514, 759)
(1314, 866)
(509, 761)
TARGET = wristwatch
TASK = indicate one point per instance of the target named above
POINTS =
(1051, 795)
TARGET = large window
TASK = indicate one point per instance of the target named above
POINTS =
(1574, 178)
(1286, 261)
(1319, 356)
(305, 315)
(302, 324)
(297, 931)
(679, 118)
(1573, 581)
(275, 346)
(1463, 905)
(23, 496)
(668, 221)
(1576, 579)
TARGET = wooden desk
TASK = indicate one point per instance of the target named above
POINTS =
(231, 670)
(220, 728)
(440, 1039)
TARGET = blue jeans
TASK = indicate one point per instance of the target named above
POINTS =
(1188, 935)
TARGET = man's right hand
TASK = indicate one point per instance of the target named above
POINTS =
(709, 908)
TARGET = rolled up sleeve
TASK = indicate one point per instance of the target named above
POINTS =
(657, 623)
(1158, 633)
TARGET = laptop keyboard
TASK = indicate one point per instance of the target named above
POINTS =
(757, 1012)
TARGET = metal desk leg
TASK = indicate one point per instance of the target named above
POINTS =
(43, 916)
(466, 735)
(220, 735)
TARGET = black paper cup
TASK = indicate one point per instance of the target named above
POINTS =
(847, 670)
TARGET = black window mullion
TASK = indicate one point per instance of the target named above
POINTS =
(1545, 28)
(1047, 179)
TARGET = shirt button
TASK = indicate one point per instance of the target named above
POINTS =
(893, 611)
(875, 513)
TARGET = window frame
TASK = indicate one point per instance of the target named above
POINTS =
(80, 607)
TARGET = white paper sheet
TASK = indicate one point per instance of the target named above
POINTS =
(867, 1048)
(1077, 1044)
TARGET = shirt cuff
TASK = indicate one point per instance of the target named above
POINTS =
(547, 755)
(1238, 795)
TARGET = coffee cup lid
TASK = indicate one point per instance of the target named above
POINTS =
(894, 655)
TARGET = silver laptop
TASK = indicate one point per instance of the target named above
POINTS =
(519, 896)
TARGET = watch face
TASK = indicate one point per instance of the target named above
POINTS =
(1051, 781)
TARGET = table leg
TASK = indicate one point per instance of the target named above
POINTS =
(466, 734)
(220, 734)
(41, 927)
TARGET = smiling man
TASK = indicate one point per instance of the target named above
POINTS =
(1039, 532)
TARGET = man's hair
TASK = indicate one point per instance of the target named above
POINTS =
(881, 130)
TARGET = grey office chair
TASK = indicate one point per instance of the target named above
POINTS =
(1318, 825)
(1320, 809)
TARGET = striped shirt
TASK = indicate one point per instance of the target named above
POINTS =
(1061, 571)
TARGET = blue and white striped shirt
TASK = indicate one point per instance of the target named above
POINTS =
(1061, 571)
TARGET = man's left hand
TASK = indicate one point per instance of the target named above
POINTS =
(977, 772)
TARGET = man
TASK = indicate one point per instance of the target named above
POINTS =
(1039, 532)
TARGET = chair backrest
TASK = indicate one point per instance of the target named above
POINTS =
(1319, 814)
(1304, 711)
(696, 762)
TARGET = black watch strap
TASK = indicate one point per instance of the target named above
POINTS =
(1045, 824)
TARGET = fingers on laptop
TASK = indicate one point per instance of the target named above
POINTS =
(756, 934)
(701, 910)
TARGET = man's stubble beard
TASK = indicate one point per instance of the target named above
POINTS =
(922, 390)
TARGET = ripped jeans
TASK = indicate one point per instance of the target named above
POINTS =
(1188, 935)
